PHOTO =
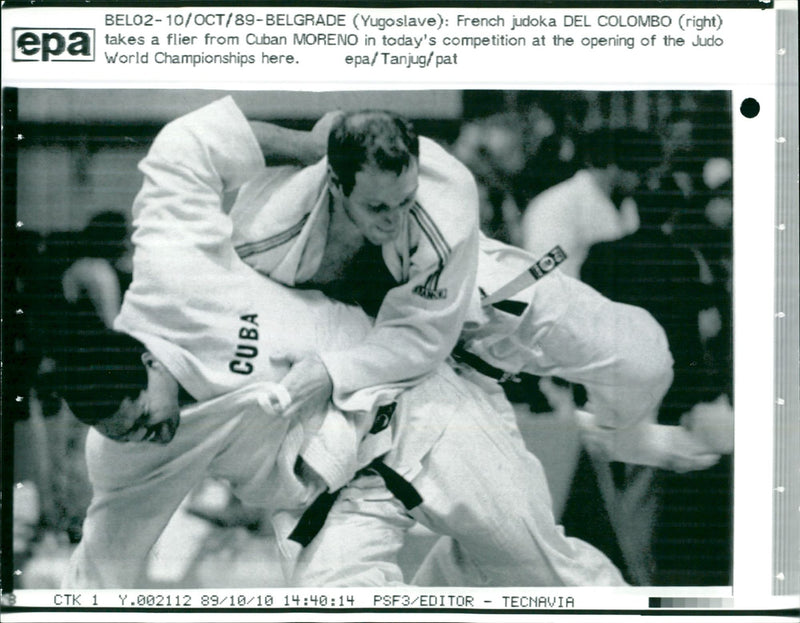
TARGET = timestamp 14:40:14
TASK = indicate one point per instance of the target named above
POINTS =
(319, 601)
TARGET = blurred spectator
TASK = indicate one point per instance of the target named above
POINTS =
(70, 287)
(666, 267)
(104, 269)
(492, 148)
(669, 278)
(595, 204)
(552, 124)
(677, 264)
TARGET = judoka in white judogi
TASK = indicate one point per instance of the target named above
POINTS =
(557, 327)
(213, 321)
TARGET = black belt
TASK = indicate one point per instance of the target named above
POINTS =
(397, 485)
(479, 365)
(314, 517)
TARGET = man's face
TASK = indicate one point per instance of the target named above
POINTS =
(153, 416)
(380, 201)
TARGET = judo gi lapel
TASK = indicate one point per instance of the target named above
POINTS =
(273, 225)
(308, 189)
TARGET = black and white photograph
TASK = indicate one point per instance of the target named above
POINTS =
(384, 313)
(152, 222)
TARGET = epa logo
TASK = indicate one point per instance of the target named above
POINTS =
(53, 44)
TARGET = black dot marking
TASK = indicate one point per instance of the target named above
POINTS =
(750, 107)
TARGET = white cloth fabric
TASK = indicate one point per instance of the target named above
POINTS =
(619, 352)
(210, 318)
(213, 322)
(574, 214)
(567, 329)
(138, 486)
(280, 225)
(195, 305)
(479, 485)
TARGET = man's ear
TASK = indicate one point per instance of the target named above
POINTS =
(149, 360)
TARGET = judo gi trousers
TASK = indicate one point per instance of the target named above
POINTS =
(480, 486)
(561, 327)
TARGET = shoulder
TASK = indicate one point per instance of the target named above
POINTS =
(550, 206)
(220, 110)
(91, 268)
(436, 162)
(88, 274)
(562, 191)
(447, 199)
(221, 118)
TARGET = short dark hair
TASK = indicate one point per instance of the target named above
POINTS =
(95, 377)
(372, 137)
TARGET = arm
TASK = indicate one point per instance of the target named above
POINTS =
(419, 320)
(191, 163)
(414, 330)
(411, 336)
(189, 286)
(277, 143)
(96, 278)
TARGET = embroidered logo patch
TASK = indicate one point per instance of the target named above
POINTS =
(383, 418)
(428, 293)
(553, 258)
